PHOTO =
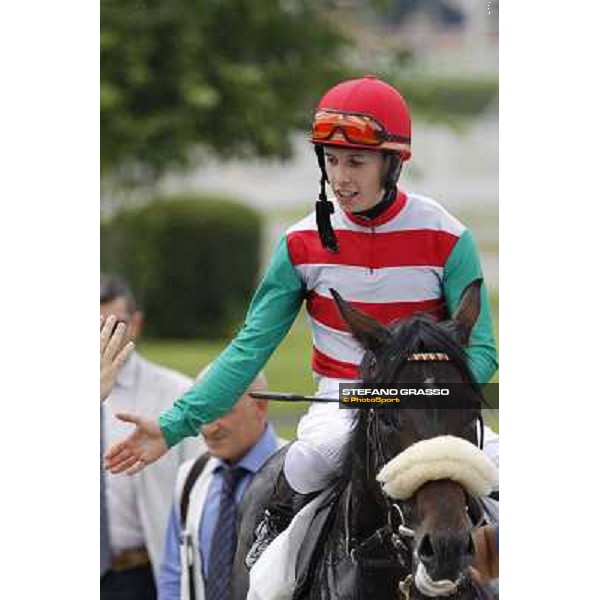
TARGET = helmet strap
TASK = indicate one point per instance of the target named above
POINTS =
(324, 207)
(392, 171)
(386, 200)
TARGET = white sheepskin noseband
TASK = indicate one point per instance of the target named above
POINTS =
(443, 457)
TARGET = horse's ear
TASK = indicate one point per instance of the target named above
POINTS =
(369, 332)
(468, 309)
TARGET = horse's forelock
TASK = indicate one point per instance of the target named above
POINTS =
(421, 333)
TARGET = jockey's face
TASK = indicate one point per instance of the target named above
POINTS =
(355, 176)
(118, 307)
(231, 436)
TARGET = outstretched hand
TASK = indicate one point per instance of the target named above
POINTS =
(112, 355)
(142, 447)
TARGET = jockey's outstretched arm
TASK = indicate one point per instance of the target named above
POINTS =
(272, 312)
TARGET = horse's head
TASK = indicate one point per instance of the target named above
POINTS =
(432, 463)
(422, 351)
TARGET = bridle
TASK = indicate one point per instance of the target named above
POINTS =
(395, 532)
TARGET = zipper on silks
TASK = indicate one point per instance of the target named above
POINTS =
(371, 243)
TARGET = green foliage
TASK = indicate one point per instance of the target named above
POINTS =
(233, 76)
(193, 262)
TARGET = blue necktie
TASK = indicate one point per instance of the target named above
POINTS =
(224, 540)
(104, 538)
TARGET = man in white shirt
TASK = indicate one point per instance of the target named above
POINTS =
(138, 506)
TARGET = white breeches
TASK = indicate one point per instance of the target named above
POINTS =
(316, 457)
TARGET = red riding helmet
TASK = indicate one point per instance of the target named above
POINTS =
(364, 113)
(360, 113)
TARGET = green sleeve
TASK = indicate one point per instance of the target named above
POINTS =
(270, 316)
(461, 268)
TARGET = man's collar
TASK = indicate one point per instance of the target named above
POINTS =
(258, 455)
(126, 377)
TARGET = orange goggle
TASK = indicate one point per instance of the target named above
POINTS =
(356, 129)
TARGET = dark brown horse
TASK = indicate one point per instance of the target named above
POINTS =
(364, 542)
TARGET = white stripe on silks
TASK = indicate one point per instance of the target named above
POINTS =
(338, 221)
(419, 212)
(309, 223)
(442, 457)
(386, 284)
(337, 344)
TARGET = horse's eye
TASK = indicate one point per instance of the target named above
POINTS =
(372, 366)
(370, 360)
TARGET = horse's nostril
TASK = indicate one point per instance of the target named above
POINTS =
(426, 549)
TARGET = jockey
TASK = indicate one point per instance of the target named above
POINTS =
(388, 252)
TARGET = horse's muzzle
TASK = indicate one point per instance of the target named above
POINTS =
(442, 560)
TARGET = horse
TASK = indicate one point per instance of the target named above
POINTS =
(398, 521)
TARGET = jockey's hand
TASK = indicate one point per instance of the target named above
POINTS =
(142, 447)
(113, 355)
